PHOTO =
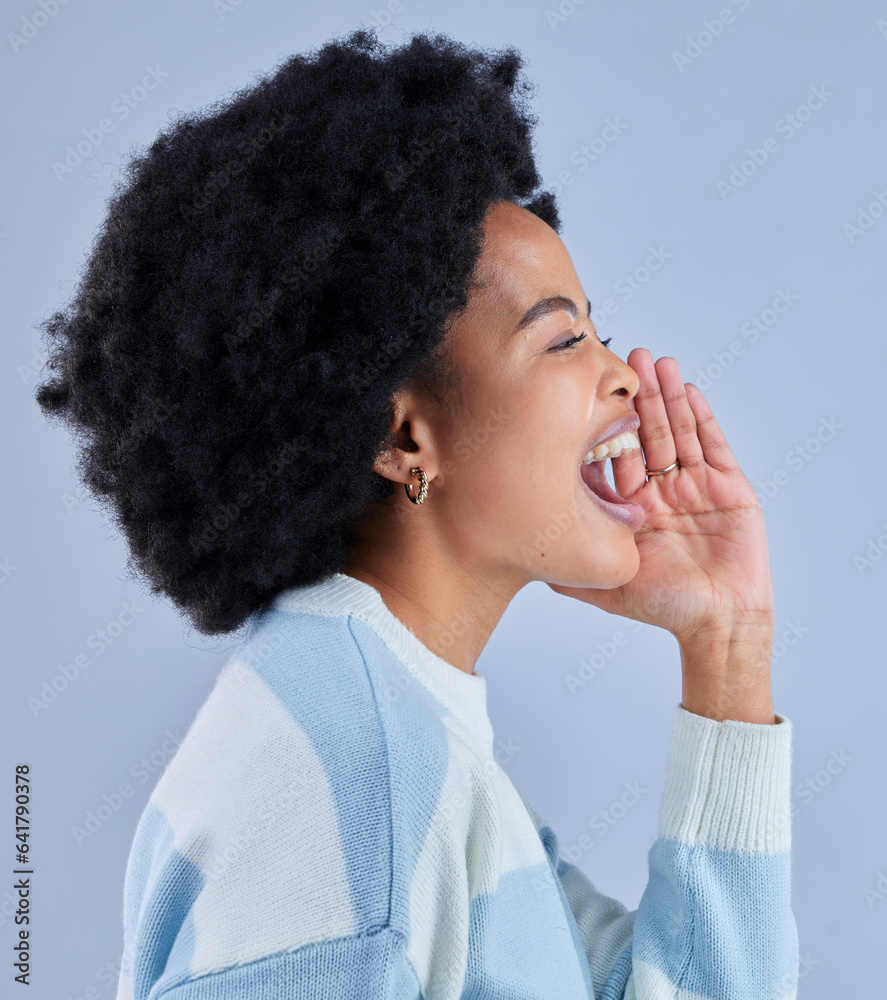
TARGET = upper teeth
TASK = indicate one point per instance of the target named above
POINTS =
(612, 448)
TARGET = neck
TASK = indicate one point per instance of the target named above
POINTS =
(450, 603)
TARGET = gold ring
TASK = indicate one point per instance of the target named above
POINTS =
(659, 472)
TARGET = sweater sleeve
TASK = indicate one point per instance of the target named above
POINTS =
(715, 920)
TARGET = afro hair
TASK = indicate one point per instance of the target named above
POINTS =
(270, 272)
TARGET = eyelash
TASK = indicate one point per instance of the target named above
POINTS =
(573, 341)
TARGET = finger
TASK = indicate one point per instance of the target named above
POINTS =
(714, 445)
(655, 430)
(629, 474)
(688, 450)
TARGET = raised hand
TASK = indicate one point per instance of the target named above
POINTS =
(704, 565)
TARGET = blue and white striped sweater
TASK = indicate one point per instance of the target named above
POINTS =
(335, 825)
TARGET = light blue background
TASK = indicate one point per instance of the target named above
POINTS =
(682, 129)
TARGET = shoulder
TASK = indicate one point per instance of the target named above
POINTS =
(274, 825)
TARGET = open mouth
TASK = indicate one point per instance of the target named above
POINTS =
(624, 511)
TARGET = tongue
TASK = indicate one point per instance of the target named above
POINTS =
(595, 479)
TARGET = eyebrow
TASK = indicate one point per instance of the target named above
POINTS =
(544, 307)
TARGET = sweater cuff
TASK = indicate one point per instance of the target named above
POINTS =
(728, 784)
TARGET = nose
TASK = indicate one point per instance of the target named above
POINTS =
(619, 379)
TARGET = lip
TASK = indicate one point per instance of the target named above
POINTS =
(630, 422)
(632, 515)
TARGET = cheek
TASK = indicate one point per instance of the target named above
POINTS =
(521, 501)
(518, 487)
(498, 479)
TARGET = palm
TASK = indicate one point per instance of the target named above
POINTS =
(703, 547)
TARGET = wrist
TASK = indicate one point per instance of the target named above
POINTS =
(726, 672)
(732, 628)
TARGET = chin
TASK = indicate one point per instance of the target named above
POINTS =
(620, 568)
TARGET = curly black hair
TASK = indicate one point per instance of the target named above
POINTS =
(270, 272)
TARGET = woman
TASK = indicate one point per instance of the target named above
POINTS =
(337, 381)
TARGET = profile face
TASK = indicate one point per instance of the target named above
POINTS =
(507, 483)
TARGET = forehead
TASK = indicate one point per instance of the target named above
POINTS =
(523, 260)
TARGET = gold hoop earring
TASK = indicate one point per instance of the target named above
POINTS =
(423, 485)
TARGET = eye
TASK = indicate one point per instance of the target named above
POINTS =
(573, 341)
(568, 343)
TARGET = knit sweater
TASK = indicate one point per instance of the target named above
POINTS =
(335, 825)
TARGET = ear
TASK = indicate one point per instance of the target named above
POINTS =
(410, 442)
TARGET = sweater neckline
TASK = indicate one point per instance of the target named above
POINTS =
(464, 695)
